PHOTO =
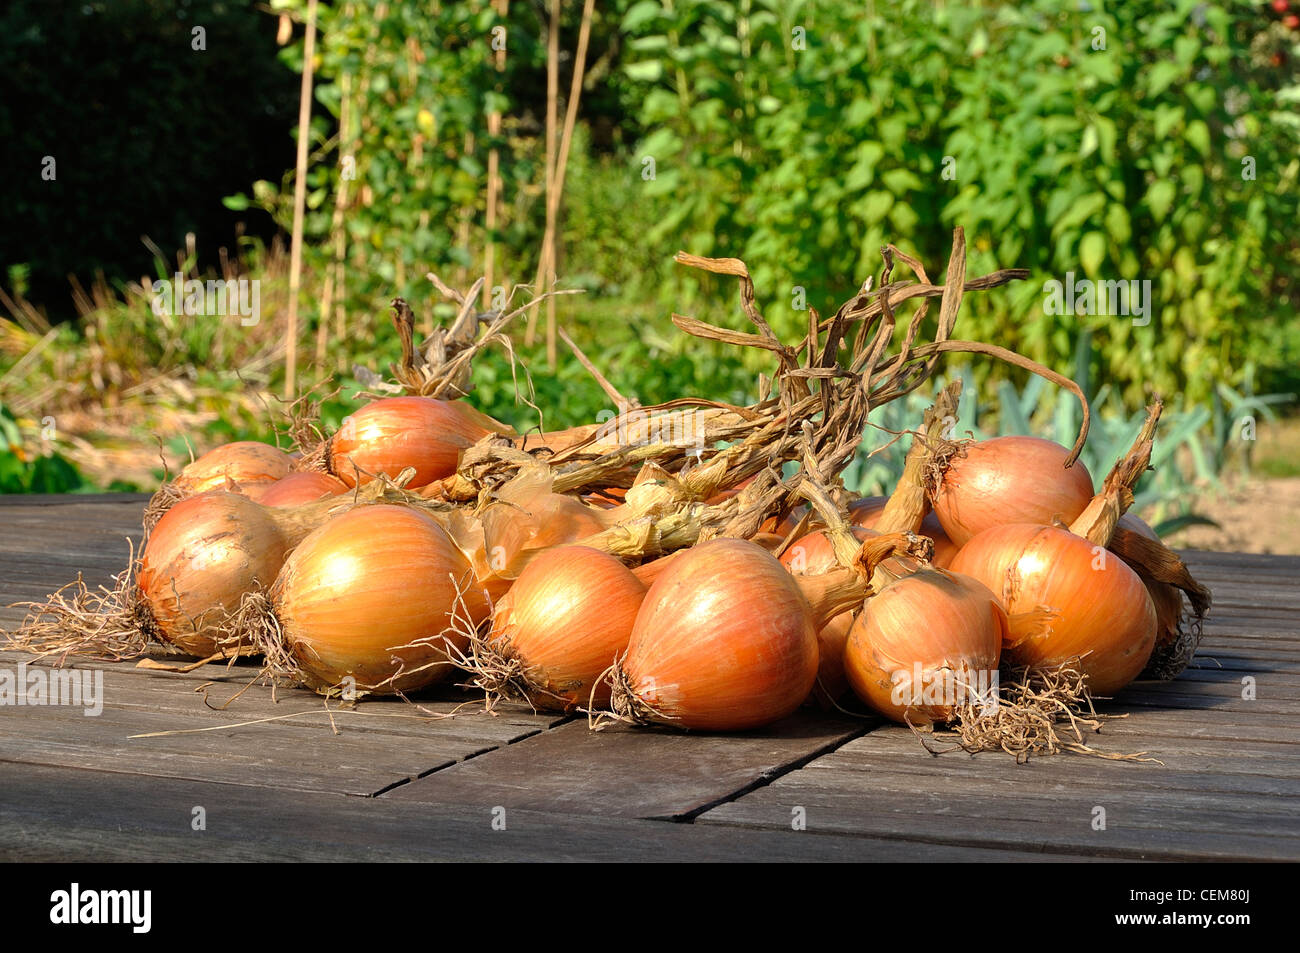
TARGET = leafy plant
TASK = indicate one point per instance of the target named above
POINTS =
(1154, 143)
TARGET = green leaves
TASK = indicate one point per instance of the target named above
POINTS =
(1092, 251)
(1197, 135)
(1160, 76)
(640, 15)
(1160, 197)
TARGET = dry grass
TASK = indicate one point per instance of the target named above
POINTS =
(132, 371)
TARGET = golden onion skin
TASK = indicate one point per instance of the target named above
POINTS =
(299, 488)
(1009, 480)
(360, 591)
(567, 617)
(1100, 610)
(243, 462)
(393, 433)
(938, 620)
(204, 554)
(725, 640)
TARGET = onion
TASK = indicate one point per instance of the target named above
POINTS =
(1097, 608)
(769, 541)
(725, 640)
(390, 434)
(376, 594)
(298, 488)
(925, 646)
(785, 526)
(566, 618)
(813, 555)
(206, 556)
(528, 518)
(1008, 480)
(244, 462)
(205, 553)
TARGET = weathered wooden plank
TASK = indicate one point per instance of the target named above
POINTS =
(897, 748)
(1171, 698)
(989, 774)
(62, 500)
(1194, 557)
(445, 713)
(67, 553)
(1217, 675)
(1219, 685)
(344, 765)
(51, 814)
(1263, 649)
(630, 772)
(1203, 812)
(877, 786)
(1154, 727)
(268, 755)
(1226, 662)
(238, 672)
(1055, 824)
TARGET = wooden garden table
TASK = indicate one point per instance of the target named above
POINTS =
(398, 783)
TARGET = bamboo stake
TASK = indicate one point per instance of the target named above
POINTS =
(551, 240)
(552, 120)
(358, 122)
(299, 204)
(494, 175)
(338, 238)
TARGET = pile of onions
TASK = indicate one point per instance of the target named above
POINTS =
(388, 435)
(726, 639)
(567, 617)
(245, 462)
(925, 646)
(1068, 596)
(379, 594)
(1008, 480)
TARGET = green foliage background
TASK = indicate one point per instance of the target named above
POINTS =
(1105, 140)
(1110, 140)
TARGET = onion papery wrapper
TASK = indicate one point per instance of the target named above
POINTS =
(378, 600)
(926, 645)
(1178, 621)
(726, 639)
(555, 633)
(391, 434)
(979, 485)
